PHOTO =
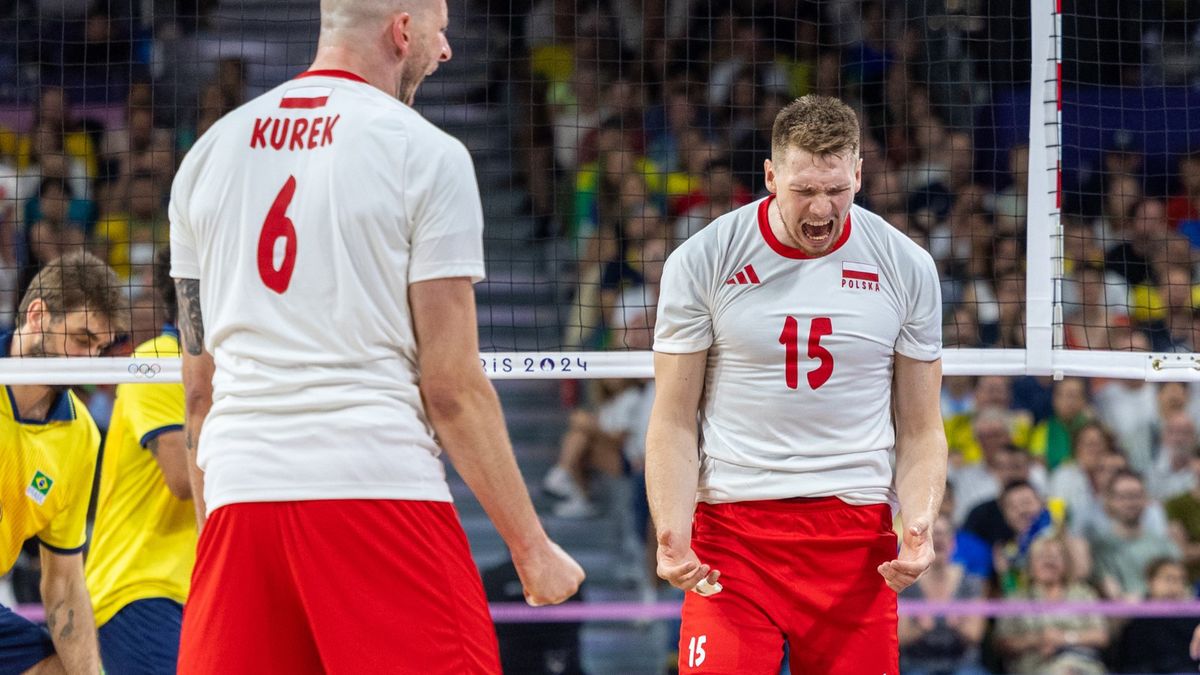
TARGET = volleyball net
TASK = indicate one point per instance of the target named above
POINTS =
(1044, 159)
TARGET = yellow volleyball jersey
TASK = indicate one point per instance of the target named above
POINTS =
(46, 470)
(144, 539)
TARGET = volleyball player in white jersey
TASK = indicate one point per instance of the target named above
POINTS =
(797, 327)
(325, 238)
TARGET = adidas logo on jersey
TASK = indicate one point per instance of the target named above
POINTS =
(860, 276)
(746, 276)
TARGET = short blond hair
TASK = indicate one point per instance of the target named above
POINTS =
(821, 125)
(77, 281)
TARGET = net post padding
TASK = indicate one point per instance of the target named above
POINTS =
(1042, 222)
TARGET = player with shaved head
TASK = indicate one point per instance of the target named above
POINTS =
(325, 238)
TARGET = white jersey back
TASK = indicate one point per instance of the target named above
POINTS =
(306, 214)
(798, 391)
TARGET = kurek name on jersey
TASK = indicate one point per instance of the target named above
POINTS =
(798, 389)
(297, 134)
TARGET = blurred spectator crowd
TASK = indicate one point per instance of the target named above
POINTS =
(637, 123)
(87, 147)
(642, 121)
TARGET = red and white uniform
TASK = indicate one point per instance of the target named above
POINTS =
(340, 196)
(798, 391)
(306, 215)
(796, 437)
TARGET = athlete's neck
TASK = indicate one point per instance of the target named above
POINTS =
(775, 220)
(32, 400)
(338, 56)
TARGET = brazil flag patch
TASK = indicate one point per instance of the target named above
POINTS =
(39, 487)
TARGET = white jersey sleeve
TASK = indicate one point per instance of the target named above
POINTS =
(684, 323)
(921, 332)
(184, 262)
(447, 238)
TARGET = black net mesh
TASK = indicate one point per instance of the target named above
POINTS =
(604, 133)
(1130, 190)
(634, 124)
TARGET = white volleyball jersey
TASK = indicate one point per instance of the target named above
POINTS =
(306, 214)
(798, 389)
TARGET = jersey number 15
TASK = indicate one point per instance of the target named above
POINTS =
(790, 339)
(278, 229)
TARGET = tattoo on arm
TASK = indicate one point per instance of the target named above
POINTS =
(152, 446)
(52, 621)
(191, 323)
(187, 438)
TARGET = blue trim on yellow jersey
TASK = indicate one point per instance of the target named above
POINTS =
(171, 330)
(62, 410)
(62, 551)
(155, 433)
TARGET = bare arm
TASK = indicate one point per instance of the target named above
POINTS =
(197, 383)
(69, 612)
(673, 468)
(465, 412)
(920, 465)
(171, 453)
(672, 442)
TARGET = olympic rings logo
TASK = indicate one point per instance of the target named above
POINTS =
(147, 370)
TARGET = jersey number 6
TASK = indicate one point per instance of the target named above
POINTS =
(790, 339)
(278, 226)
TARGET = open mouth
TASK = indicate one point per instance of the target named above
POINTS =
(817, 232)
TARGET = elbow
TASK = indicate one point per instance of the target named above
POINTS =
(447, 396)
(441, 403)
(180, 487)
(197, 402)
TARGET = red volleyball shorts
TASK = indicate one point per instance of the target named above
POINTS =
(338, 586)
(796, 570)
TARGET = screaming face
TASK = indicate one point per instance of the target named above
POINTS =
(813, 194)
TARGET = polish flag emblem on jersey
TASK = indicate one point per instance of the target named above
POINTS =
(860, 276)
(305, 98)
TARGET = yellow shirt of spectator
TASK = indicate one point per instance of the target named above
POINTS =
(46, 470)
(960, 434)
(144, 540)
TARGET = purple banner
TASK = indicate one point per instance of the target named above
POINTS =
(516, 612)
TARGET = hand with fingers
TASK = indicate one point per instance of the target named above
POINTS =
(916, 555)
(679, 565)
(548, 574)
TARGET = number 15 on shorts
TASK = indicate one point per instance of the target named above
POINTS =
(696, 651)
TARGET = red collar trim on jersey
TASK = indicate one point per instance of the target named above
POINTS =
(343, 74)
(764, 226)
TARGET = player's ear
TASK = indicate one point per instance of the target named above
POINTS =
(769, 174)
(36, 315)
(401, 28)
